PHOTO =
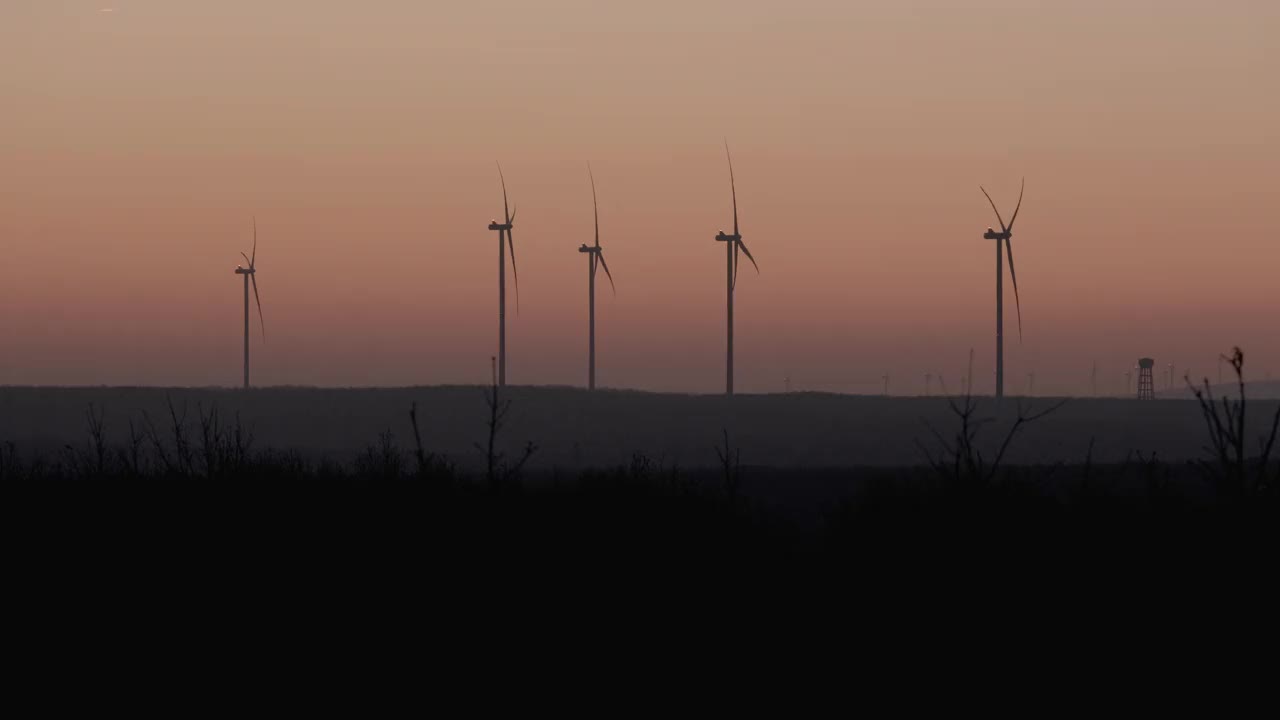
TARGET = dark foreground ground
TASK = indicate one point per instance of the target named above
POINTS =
(393, 514)
(201, 510)
(264, 565)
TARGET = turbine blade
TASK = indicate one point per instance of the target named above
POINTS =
(505, 213)
(258, 300)
(733, 188)
(993, 207)
(1008, 245)
(605, 265)
(512, 217)
(734, 283)
(1014, 219)
(594, 203)
(515, 275)
(246, 259)
(255, 243)
(748, 254)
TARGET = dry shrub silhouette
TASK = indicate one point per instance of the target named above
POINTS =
(131, 454)
(958, 460)
(730, 465)
(181, 462)
(431, 467)
(225, 448)
(498, 472)
(1225, 421)
(92, 461)
(382, 461)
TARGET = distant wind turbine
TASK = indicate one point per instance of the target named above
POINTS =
(251, 275)
(733, 243)
(504, 241)
(1004, 235)
(595, 256)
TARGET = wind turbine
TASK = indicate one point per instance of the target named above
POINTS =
(504, 241)
(733, 243)
(594, 256)
(1005, 234)
(251, 275)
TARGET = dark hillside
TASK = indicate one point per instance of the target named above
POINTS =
(576, 429)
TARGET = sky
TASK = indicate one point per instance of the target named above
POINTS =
(138, 145)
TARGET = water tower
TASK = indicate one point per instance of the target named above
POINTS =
(1146, 387)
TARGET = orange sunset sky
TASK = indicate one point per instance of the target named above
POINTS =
(136, 145)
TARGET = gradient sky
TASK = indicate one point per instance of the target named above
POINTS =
(136, 145)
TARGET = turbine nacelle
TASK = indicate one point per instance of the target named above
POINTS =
(992, 234)
(722, 236)
(244, 270)
(585, 248)
(495, 225)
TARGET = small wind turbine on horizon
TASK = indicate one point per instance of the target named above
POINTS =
(595, 256)
(733, 243)
(251, 275)
(1005, 235)
(504, 241)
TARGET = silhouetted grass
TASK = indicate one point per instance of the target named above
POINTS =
(195, 489)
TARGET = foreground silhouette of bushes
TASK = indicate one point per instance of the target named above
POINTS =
(659, 519)
(1234, 472)
(195, 489)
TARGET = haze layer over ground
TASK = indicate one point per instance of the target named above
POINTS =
(573, 428)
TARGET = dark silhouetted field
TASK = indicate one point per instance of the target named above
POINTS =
(574, 429)
(306, 495)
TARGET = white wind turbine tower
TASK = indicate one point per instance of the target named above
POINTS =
(733, 244)
(595, 257)
(251, 275)
(1004, 235)
(504, 235)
